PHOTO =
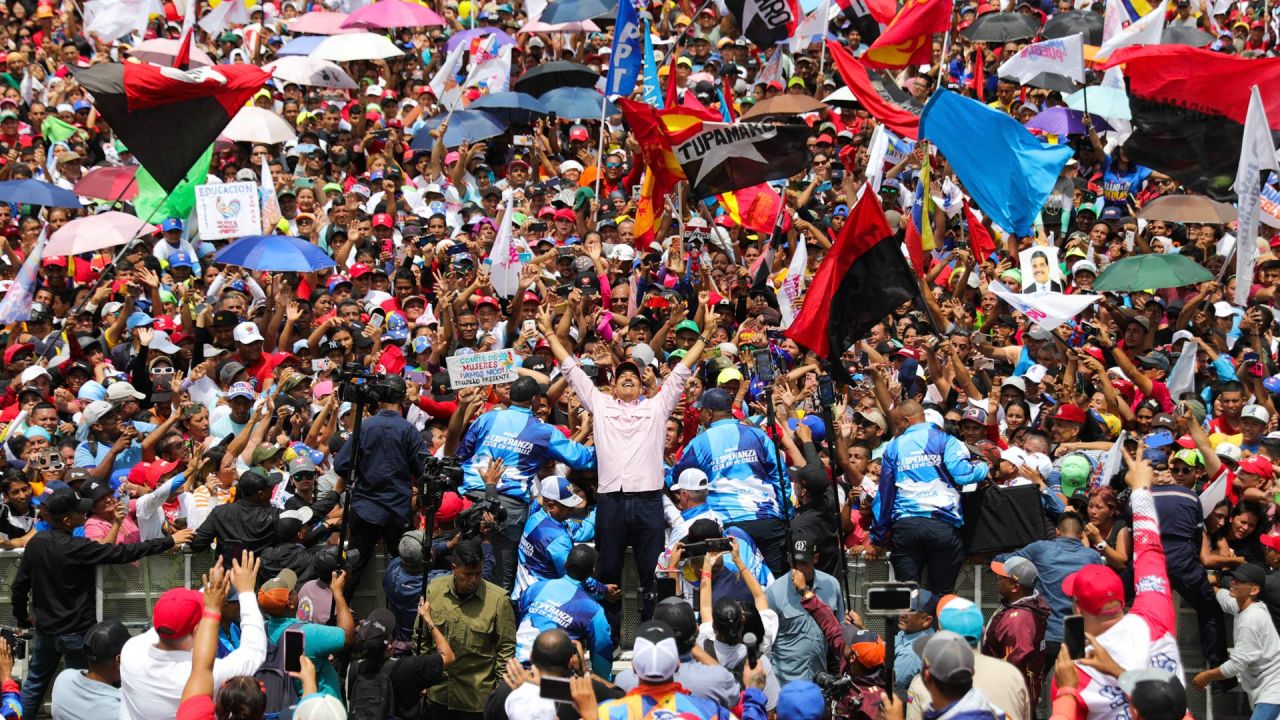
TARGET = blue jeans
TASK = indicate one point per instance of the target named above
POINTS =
(45, 651)
(1265, 711)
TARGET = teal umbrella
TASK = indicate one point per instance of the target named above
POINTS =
(1151, 272)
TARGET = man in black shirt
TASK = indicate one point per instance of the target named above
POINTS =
(249, 523)
(17, 514)
(409, 675)
(56, 578)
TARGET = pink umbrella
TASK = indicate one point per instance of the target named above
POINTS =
(162, 51)
(537, 26)
(108, 183)
(95, 232)
(392, 14)
(319, 23)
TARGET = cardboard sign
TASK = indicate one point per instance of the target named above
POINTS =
(488, 368)
(228, 210)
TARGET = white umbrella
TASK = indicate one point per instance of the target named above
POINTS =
(310, 71)
(355, 46)
(255, 125)
(162, 51)
(95, 232)
(843, 96)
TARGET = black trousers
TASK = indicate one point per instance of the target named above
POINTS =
(770, 536)
(1193, 586)
(632, 520)
(364, 537)
(920, 543)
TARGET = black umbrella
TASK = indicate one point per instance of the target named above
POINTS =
(1001, 27)
(560, 73)
(1183, 35)
(1051, 81)
(1075, 22)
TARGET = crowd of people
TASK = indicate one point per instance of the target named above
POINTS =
(295, 426)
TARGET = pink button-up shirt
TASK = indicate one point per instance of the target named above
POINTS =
(629, 437)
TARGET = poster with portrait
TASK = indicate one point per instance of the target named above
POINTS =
(1040, 271)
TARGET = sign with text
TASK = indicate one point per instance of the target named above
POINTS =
(487, 368)
(228, 210)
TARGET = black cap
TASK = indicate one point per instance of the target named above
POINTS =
(1164, 420)
(255, 480)
(1251, 573)
(525, 389)
(225, 318)
(1154, 693)
(441, 386)
(66, 501)
(94, 490)
(377, 630)
(105, 640)
(715, 399)
(587, 283)
(802, 550)
(628, 366)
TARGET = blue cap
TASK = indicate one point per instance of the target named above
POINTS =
(137, 320)
(840, 211)
(715, 399)
(397, 328)
(801, 700)
(421, 344)
(181, 259)
(80, 105)
(960, 616)
(1272, 384)
(171, 224)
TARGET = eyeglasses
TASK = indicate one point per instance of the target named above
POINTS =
(612, 164)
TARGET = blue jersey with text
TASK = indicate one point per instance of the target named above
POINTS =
(741, 464)
(563, 603)
(544, 547)
(919, 475)
(523, 443)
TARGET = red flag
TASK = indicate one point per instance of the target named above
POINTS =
(909, 38)
(980, 72)
(895, 117)
(915, 248)
(882, 10)
(728, 98)
(979, 239)
(673, 86)
(183, 59)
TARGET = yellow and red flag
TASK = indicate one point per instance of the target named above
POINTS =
(909, 38)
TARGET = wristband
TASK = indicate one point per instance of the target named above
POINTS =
(211, 615)
(1069, 692)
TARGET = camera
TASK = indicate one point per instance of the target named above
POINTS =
(471, 521)
(834, 687)
(358, 385)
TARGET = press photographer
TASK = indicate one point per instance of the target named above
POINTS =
(381, 462)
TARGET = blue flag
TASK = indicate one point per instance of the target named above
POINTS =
(16, 306)
(1002, 165)
(652, 87)
(624, 62)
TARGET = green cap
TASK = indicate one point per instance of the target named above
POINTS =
(332, 187)
(1074, 473)
(676, 354)
(264, 452)
(689, 325)
(583, 196)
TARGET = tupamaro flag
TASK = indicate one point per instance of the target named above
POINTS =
(766, 22)
(861, 280)
(722, 157)
(165, 116)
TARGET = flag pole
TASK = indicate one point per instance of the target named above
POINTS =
(604, 107)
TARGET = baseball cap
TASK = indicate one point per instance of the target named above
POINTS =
(65, 501)
(974, 414)
(654, 657)
(105, 640)
(1259, 465)
(716, 399)
(1255, 412)
(171, 224)
(868, 649)
(1271, 541)
(319, 706)
(1228, 453)
(301, 464)
(801, 700)
(377, 629)
(525, 389)
(97, 410)
(246, 333)
(876, 417)
(802, 550)
(691, 479)
(177, 612)
(1251, 573)
(1068, 412)
(412, 543)
(1156, 694)
(93, 490)
(1097, 589)
(255, 480)
(1017, 569)
(121, 391)
(558, 489)
(959, 615)
(241, 389)
(946, 655)
(382, 220)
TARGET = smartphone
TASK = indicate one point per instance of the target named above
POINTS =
(695, 550)
(319, 364)
(521, 141)
(417, 376)
(720, 544)
(564, 290)
(764, 367)
(530, 326)
(664, 587)
(1073, 635)
(388, 246)
(294, 646)
(557, 689)
(538, 227)
(17, 645)
(890, 598)
(376, 318)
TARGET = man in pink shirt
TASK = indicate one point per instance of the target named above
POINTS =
(629, 434)
(109, 521)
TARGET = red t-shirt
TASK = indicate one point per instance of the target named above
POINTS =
(199, 707)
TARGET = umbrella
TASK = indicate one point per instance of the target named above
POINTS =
(784, 105)
(1061, 121)
(843, 97)
(562, 11)
(319, 22)
(108, 183)
(1051, 81)
(1150, 272)
(1103, 102)
(95, 232)
(552, 75)
(389, 14)
(573, 103)
(34, 192)
(1182, 35)
(1000, 27)
(356, 46)
(310, 71)
(1188, 209)
(255, 125)
(304, 45)
(466, 36)
(510, 107)
(279, 253)
(1075, 22)
(537, 26)
(466, 126)
(162, 51)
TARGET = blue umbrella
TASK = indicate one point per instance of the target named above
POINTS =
(563, 11)
(280, 253)
(466, 126)
(575, 103)
(34, 192)
(301, 45)
(511, 107)
(466, 36)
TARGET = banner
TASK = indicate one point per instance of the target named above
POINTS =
(722, 157)
(1060, 56)
(487, 368)
(1182, 379)
(792, 287)
(1257, 153)
(625, 60)
(228, 210)
(1046, 310)
(1147, 31)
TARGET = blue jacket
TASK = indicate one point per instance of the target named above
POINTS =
(741, 464)
(523, 443)
(391, 460)
(920, 472)
(403, 589)
(563, 603)
(1054, 560)
(544, 547)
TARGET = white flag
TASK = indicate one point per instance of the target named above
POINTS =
(270, 203)
(813, 26)
(1047, 310)
(875, 156)
(1113, 19)
(1059, 56)
(1213, 493)
(445, 77)
(113, 19)
(793, 285)
(504, 257)
(1111, 461)
(1257, 153)
(1147, 30)
(1182, 379)
(228, 12)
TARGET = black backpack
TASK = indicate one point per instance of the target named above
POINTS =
(370, 697)
(281, 693)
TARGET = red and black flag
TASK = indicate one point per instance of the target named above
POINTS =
(166, 117)
(1189, 107)
(861, 280)
(766, 22)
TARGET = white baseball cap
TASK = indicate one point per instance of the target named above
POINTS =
(1255, 412)
(247, 333)
(557, 488)
(691, 479)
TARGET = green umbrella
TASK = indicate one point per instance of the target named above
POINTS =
(1151, 272)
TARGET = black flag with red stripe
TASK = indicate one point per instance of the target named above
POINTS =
(860, 281)
(167, 117)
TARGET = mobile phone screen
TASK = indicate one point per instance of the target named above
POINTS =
(294, 645)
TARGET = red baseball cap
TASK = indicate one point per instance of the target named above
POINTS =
(566, 214)
(177, 612)
(577, 132)
(486, 300)
(163, 322)
(1271, 541)
(451, 505)
(1258, 465)
(1069, 412)
(13, 351)
(531, 298)
(1186, 441)
(58, 260)
(382, 220)
(1097, 589)
(359, 269)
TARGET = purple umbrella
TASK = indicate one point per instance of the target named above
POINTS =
(467, 35)
(1064, 121)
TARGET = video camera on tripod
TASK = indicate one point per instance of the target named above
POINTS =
(357, 385)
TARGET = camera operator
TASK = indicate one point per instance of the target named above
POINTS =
(856, 654)
(456, 520)
(391, 458)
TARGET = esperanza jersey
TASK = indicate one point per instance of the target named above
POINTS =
(920, 472)
(544, 547)
(563, 603)
(741, 464)
(1145, 637)
(523, 443)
